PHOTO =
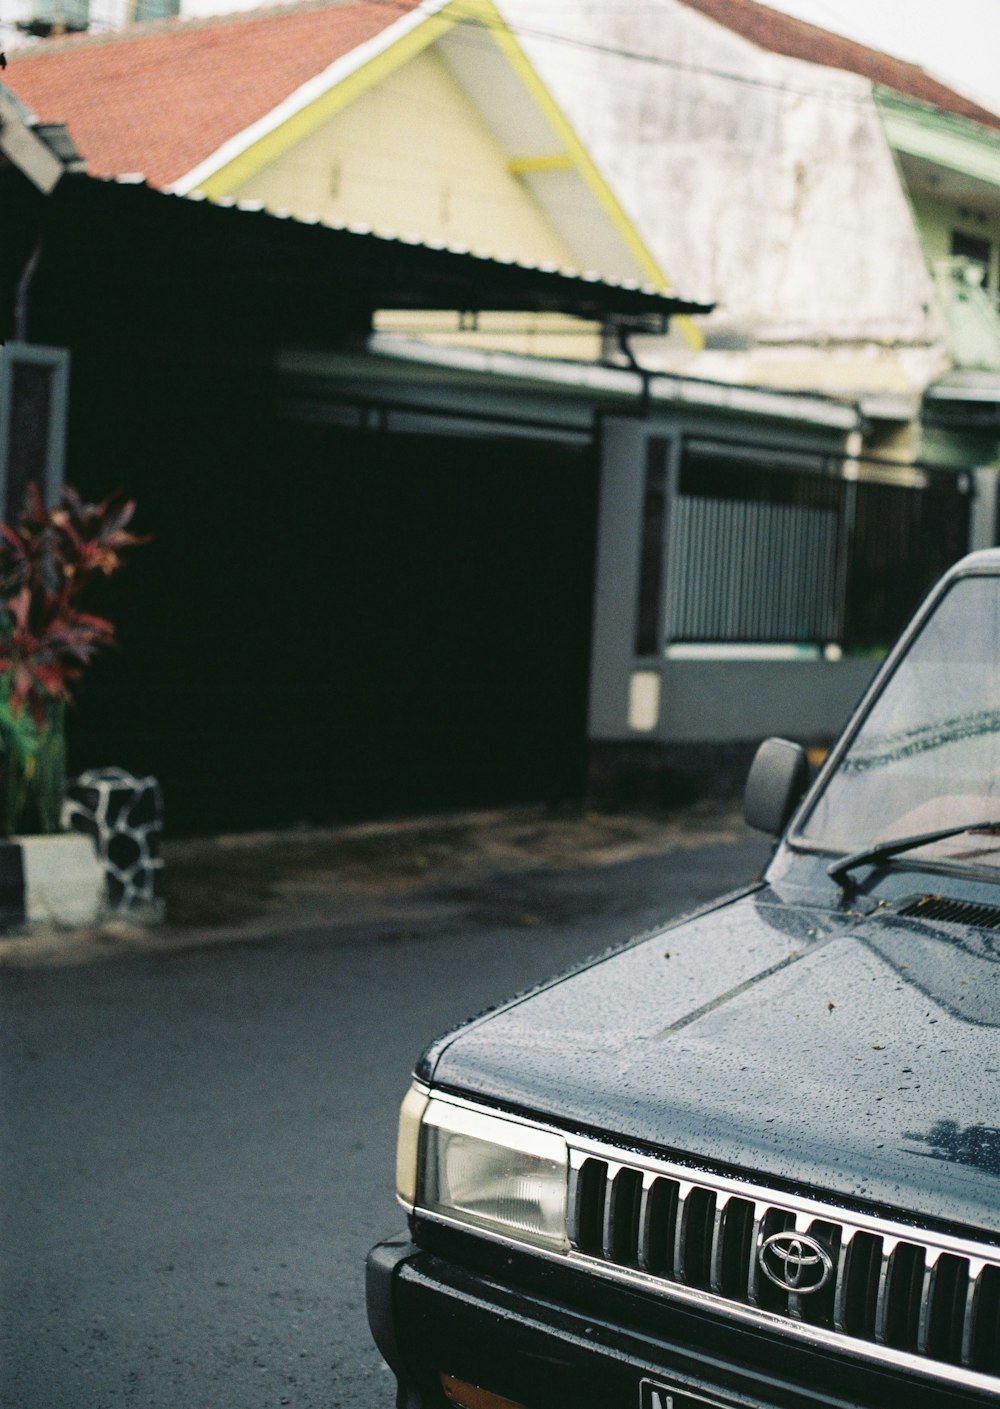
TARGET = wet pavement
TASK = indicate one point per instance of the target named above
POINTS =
(199, 1119)
(475, 867)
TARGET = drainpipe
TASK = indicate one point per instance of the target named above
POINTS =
(23, 290)
(625, 347)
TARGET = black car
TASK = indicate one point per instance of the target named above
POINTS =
(752, 1159)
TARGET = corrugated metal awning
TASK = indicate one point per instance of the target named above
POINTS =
(357, 268)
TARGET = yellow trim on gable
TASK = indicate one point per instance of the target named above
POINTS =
(303, 123)
(487, 14)
(525, 166)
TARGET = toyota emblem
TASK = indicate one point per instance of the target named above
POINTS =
(795, 1262)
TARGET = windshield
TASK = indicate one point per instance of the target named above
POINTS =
(928, 754)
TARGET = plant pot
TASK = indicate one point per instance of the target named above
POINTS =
(61, 881)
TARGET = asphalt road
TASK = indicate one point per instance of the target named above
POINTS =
(198, 1144)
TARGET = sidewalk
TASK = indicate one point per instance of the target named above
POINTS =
(256, 887)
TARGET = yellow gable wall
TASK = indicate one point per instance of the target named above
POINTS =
(412, 157)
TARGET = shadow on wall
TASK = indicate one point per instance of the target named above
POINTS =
(656, 776)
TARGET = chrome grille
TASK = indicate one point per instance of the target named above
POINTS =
(933, 1298)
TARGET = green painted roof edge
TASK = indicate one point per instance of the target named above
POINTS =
(960, 144)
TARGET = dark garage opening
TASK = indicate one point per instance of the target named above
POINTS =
(337, 624)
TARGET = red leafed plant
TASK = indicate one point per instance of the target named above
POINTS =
(48, 558)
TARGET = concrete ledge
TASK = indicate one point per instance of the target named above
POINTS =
(725, 700)
(50, 881)
(732, 701)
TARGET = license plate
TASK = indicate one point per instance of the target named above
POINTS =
(653, 1395)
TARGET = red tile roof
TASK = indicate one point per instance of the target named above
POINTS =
(160, 98)
(781, 34)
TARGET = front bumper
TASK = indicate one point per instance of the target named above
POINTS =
(547, 1337)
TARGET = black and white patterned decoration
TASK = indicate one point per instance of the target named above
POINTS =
(123, 816)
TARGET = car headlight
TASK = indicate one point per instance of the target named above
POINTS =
(483, 1169)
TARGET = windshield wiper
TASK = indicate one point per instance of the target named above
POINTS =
(838, 870)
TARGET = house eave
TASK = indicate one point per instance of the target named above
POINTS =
(41, 151)
(982, 388)
(958, 144)
(620, 383)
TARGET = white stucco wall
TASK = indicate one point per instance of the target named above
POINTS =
(776, 196)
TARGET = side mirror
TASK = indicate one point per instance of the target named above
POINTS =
(777, 780)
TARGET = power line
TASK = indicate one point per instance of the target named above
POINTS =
(475, 21)
(471, 21)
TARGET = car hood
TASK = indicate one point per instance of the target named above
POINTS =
(856, 1055)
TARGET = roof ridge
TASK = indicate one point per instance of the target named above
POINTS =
(119, 94)
(869, 62)
(795, 22)
(184, 24)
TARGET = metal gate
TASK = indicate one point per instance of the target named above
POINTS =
(774, 547)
